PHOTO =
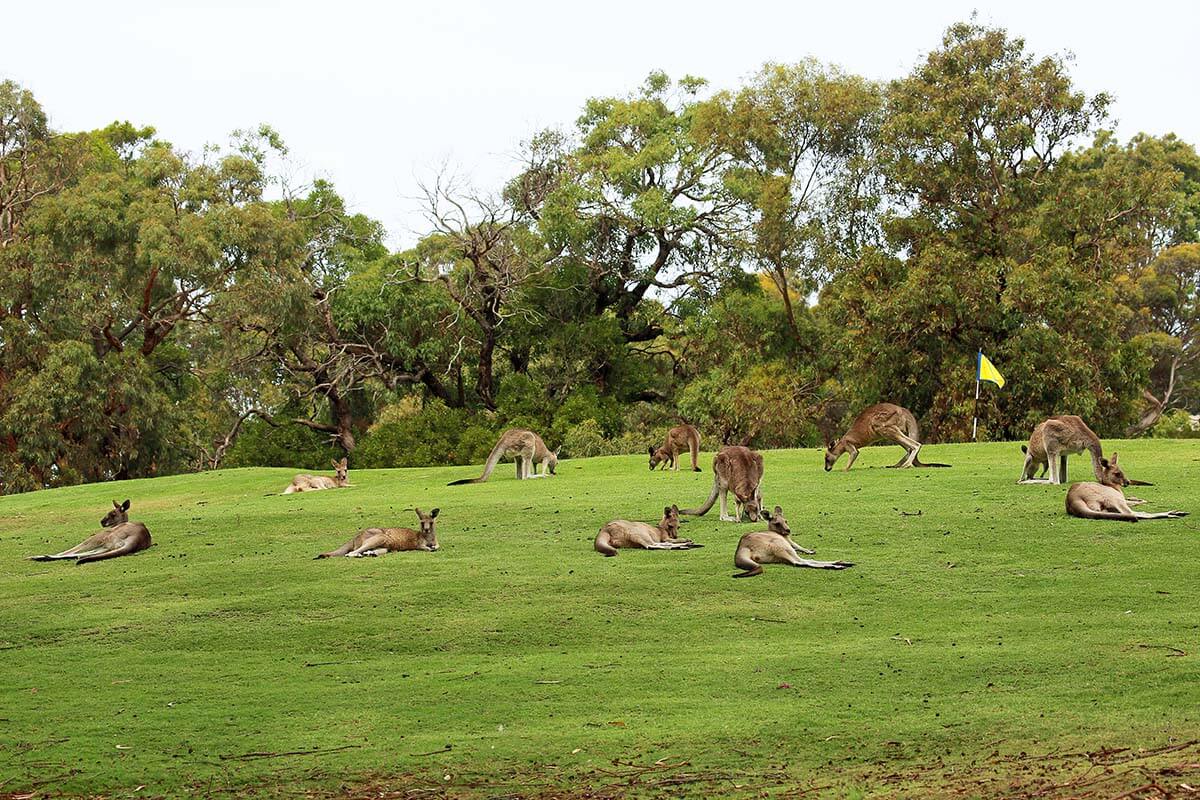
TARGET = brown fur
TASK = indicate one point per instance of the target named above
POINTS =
(739, 470)
(679, 439)
(526, 447)
(880, 422)
(1050, 444)
(315, 483)
(1106, 500)
(377, 541)
(774, 546)
(639, 535)
(120, 537)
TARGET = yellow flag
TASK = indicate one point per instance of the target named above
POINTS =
(987, 372)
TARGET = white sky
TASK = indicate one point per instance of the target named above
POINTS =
(377, 98)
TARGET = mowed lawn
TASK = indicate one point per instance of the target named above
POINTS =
(979, 623)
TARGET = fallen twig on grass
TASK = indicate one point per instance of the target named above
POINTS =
(445, 749)
(259, 754)
(768, 619)
(1175, 651)
(916, 513)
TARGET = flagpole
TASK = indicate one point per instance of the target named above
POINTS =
(975, 419)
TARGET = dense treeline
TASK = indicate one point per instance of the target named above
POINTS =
(758, 261)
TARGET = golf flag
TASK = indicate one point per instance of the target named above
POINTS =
(987, 372)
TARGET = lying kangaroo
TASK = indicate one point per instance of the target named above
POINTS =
(1106, 500)
(882, 421)
(739, 470)
(526, 447)
(680, 438)
(1050, 444)
(120, 537)
(774, 546)
(377, 541)
(314, 483)
(623, 533)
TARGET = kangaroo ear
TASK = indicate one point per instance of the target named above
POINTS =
(1104, 463)
(675, 508)
(778, 510)
(125, 505)
(335, 463)
(667, 511)
(116, 505)
(1113, 460)
(651, 449)
(434, 513)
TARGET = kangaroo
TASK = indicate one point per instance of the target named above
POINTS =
(314, 483)
(1106, 500)
(527, 447)
(739, 470)
(882, 421)
(623, 533)
(377, 541)
(774, 546)
(1052, 441)
(680, 438)
(120, 537)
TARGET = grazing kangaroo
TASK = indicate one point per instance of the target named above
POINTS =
(1106, 500)
(739, 470)
(623, 533)
(1052, 441)
(882, 421)
(680, 438)
(526, 447)
(774, 546)
(314, 483)
(120, 537)
(377, 541)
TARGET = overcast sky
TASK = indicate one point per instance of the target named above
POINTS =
(376, 98)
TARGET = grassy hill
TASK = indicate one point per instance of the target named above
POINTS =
(980, 631)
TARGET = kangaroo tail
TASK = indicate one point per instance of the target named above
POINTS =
(125, 549)
(712, 498)
(492, 460)
(919, 463)
(603, 545)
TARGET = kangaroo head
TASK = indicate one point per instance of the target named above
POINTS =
(670, 521)
(117, 515)
(833, 452)
(752, 505)
(552, 463)
(342, 469)
(655, 458)
(428, 527)
(776, 522)
(1113, 476)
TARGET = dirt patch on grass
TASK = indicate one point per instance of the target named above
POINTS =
(1163, 773)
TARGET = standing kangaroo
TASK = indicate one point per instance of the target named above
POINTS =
(1106, 500)
(377, 541)
(526, 447)
(1052, 441)
(774, 546)
(120, 537)
(314, 483)
(882, 421)
(623, 533)
(680, 438)
(739, 470)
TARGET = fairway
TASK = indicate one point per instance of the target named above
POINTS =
(979, 624)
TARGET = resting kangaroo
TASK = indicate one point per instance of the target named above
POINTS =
(1105, 500)
(774, 546)
(1052, 441)
(623, 533)
(526, 447)
(739, 470)
(314, 483)
(377, 541)
(680, 438)
(120, 537)
(883, 421)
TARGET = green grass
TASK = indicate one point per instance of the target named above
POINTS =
(989, 623)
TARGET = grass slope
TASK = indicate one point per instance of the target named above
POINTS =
(989, 623)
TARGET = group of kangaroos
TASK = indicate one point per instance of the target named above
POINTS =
(736, 469)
